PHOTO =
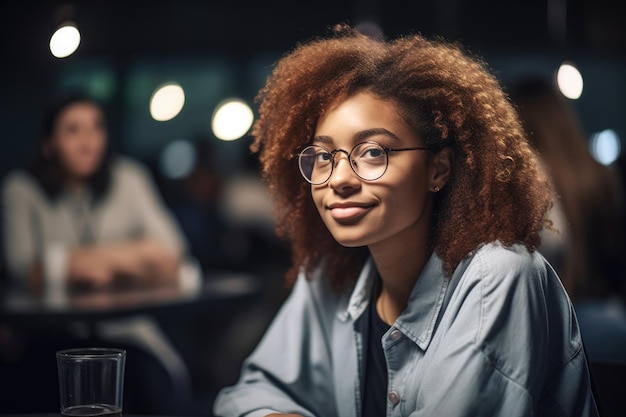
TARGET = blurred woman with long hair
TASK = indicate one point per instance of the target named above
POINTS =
(80, 217)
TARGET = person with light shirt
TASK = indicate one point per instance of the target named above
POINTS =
(80, 217)
(413, 203)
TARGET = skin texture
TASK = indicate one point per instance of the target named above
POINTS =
(78, 143)
(389, 211)
(391, 215)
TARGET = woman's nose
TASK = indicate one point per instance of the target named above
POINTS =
(343, 177)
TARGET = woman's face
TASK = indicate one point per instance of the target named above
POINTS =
(79, 139)
(398, 204)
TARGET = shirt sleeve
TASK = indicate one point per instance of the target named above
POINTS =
(19, 236)
(289, 371)
(22, 244)
(512, 343)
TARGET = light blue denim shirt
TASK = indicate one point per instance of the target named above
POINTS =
(498, 338)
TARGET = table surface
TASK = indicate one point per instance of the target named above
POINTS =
(131, 317)
(214, 289)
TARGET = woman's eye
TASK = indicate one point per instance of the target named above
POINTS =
(373, 153)
(70, 129)
(324, 157)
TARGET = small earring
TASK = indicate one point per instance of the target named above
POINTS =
(436, 189)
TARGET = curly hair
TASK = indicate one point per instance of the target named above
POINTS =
(497, 190)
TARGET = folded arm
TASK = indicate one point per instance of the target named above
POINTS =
(145, 261)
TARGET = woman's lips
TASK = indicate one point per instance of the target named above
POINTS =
(347, 213)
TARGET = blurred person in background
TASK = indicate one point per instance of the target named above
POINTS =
(586, 247)
(81, 217)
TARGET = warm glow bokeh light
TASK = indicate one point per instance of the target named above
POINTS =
(570, 81)
(166, 102)
(232, 119)
(64, 42)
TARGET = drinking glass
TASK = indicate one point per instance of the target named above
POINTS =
(91, 381)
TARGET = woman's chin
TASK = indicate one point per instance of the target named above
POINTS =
(352, 241)
(83, 173)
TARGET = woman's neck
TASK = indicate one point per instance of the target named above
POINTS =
(75, 185)
(399, 263)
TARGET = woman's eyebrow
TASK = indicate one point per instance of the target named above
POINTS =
(360, 136)
(366, 134)
(324, 139)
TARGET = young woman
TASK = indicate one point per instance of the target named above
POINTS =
(413, 204)
(79, 217)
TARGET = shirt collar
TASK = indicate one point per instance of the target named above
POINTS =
(419, 319)
(358, 300)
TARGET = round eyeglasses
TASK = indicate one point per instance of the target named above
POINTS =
(368, 160)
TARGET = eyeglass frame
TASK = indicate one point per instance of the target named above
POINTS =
(334, 152)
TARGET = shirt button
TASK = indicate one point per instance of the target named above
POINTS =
(394, 398)
(395, 335)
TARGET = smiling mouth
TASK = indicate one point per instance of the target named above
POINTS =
(349, 213)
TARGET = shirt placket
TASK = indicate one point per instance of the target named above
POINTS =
(394, 347)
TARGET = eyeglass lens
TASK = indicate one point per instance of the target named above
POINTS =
(368, 160)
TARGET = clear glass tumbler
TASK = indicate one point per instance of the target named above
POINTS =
(91, 381)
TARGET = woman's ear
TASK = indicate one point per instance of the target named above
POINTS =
(440, 168)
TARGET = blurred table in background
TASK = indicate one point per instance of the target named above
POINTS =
(133, 316)
(217, 288)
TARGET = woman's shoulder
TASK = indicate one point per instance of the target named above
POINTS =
(123, 165)
(515, 257)
(19, 182)
(130, 174)
(502, 267)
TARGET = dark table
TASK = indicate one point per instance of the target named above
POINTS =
(131, 316)
(217, 288)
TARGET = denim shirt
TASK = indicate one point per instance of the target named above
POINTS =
(497, 338)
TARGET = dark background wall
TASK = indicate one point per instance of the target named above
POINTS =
(221, 48)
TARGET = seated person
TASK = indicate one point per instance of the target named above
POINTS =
(80, 217)
(414, 205)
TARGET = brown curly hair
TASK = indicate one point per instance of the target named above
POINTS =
(496, 190)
